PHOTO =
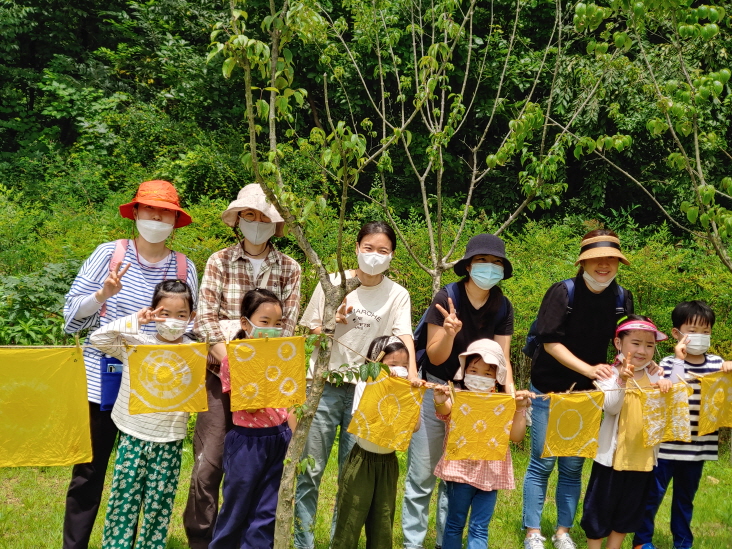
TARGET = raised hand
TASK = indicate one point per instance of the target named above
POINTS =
(112, 285)
(342, 311)
(626, 370)
(680, 349)
(452, 324)
(147, 315)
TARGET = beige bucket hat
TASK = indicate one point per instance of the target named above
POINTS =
(490, 352)
(601, 246)
(252, 196)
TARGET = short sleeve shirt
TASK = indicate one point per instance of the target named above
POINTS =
(381, 310)
(587, 332)
(485, 322)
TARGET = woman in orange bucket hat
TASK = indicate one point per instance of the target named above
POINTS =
(117, 280)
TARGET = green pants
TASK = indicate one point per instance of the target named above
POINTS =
(145, 478)
(366, 497)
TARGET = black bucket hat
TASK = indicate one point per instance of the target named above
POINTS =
(484, 244)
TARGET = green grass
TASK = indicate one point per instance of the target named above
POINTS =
(32, 508)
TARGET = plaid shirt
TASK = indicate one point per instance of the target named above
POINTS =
(484, 475)
(229, 275)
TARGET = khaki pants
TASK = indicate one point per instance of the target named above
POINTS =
(199, 516)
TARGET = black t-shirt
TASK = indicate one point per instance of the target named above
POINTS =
(477, 324)
(587, 332)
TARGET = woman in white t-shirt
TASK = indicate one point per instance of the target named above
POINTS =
(378, 307)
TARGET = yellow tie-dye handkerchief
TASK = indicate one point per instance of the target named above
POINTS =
(666, 415)
(168, 378)
(388, 412)
(715, 408)
(267, 372)
(480, 425)
(573, 425)
(44, 412)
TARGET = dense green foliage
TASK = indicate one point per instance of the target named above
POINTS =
(97, 97)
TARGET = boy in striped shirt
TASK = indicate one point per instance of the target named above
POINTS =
(684, 461)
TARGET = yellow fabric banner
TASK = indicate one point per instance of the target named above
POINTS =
(388, 412)
(168, 378)
(666, 415)
(480, 424)
(44, 413)
(715, 409)
(573, 424)
(267, 372)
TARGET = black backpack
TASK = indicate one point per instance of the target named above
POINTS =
(454, 294)
(532, 338)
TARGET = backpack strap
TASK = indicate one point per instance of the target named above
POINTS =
(569, 284)
(620, 301)
(118, 256)
(453, 293)
(181, 266)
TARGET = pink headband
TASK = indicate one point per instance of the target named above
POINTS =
(642, 325)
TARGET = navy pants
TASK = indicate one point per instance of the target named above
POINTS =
(686, 476)
(253, 462)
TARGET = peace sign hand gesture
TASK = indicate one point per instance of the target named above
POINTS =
(146, 315)
(112, 285)
(626, 371)
(452, 324)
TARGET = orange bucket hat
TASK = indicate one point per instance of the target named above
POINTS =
(160, 194)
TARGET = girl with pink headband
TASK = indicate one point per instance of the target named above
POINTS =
(623, 469)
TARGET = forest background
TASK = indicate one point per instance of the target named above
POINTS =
(539, 120)
(96, 97)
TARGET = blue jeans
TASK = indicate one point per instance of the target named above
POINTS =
(686, 476)
(462, 498)
(334, 410)
(425, 451)
(569, 483)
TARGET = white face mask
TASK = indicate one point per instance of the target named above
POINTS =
(172, 328)
(698, 344)
(373, 263)
(257, 232)
(594, 284)
(479, 383)
(154, 231)
(621, 358)
(399, 371)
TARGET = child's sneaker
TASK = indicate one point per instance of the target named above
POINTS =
(534, 541)
(645, 546)
(563, 542)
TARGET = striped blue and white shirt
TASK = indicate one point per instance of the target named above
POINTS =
(138, 285)
(704, 448)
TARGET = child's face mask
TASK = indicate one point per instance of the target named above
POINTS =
(172, 328)
(262, 331)
(481, 384)
(399, 371)
(698, 344)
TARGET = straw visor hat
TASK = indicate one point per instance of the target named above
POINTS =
(252, 196)
(160, 194)
(601, 246)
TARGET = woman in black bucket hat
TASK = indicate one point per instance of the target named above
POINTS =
(462, 312)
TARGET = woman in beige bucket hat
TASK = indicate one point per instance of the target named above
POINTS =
(251, 263)
(575, 325)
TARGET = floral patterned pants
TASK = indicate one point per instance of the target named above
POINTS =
(145, 477)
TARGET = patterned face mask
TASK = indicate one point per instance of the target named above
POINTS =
(172, 328)
(480, 383)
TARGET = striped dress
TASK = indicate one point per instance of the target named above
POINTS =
(704, 448)
(137, 292)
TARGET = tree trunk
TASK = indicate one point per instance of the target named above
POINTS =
(286, 499)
